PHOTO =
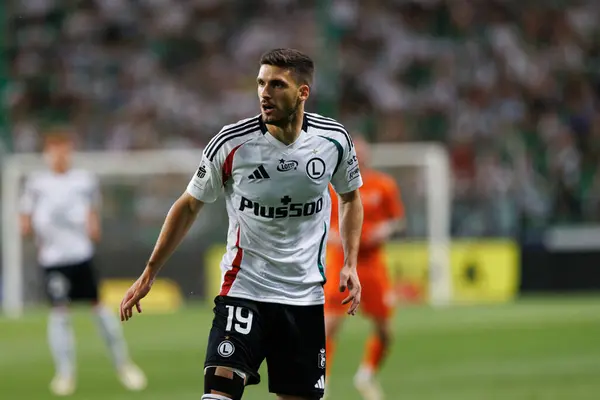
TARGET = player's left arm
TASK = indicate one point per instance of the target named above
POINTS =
(351, 219)
(94, 225)
(346, 181)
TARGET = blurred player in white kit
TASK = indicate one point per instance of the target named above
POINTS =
(59, 209)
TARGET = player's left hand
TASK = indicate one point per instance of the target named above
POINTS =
(349, 279)
(136, 292)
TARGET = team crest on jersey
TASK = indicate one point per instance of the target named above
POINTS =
(226, 349)
(315, 168)
(287, 165)
(322, 359)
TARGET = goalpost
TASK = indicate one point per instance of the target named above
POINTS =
(432, 157)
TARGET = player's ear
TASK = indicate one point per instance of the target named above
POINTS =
(304, 92)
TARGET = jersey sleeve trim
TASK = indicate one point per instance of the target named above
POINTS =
(351, 189)
(230, 132)
(340, 150)
(328, 124)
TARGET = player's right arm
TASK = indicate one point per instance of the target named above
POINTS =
(179, 219)
(25, 222)
(94, 225)
(27, 203)
(204, 187)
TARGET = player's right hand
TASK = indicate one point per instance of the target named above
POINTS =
(349, 279)
(134, 294)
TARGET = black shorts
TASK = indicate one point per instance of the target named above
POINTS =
(71, 283)
(290, 338)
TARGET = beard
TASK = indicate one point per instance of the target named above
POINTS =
(289, 113)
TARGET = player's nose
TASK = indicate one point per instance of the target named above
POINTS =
(264, 93)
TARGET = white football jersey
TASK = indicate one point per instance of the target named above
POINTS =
(59, 205)
(278, 204)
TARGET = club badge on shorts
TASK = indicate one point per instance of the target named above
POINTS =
(226, 348)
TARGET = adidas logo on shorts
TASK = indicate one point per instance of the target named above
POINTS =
(320, 383)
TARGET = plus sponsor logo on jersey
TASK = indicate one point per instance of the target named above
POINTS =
(288, 209)
(287, 165)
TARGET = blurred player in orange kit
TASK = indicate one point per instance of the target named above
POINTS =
(383, 216)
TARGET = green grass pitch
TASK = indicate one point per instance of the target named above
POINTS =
(536, 349)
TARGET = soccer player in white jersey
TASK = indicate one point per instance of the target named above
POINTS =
(273, 170)
(59, 208)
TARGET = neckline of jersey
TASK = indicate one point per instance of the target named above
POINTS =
(286, 148)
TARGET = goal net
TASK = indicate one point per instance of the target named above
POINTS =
(139, 187)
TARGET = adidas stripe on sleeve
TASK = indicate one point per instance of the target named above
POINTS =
(216, 165)
(346, 177)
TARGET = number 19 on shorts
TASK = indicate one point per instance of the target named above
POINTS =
(237, 321)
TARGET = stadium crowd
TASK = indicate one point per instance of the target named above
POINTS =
(511, 89)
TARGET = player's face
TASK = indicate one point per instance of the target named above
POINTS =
(58, 155)
(279, 94)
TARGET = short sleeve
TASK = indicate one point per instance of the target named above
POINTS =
(207, 183)
(28, 197)
(347, 176)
